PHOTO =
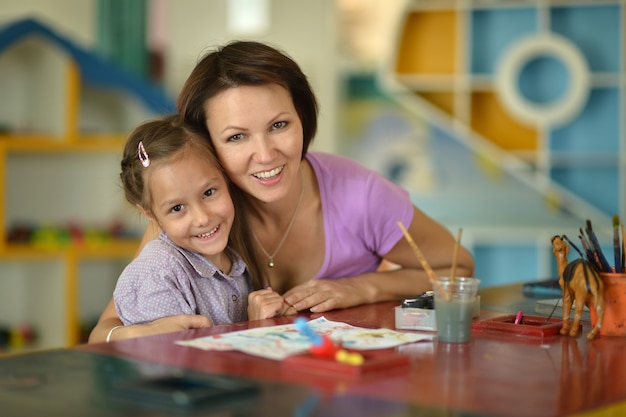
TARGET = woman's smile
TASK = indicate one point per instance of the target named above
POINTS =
(265, 175)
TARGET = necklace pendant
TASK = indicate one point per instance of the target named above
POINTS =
(270, 258)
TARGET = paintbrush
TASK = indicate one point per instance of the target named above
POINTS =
(455, 255)
(591, 256)
(420, 257)
(623, 248)
(573, 246)
(617, 252)
(595, 246)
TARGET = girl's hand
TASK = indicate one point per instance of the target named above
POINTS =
(266, 303)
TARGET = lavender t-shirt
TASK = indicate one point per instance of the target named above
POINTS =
(166, 280)
(361, 211)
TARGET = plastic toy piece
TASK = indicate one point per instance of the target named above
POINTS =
(302, 326)
(349, 358)
(329, 358)
(580, 281)
(323, 347)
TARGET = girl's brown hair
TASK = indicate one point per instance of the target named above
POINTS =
(162, 141)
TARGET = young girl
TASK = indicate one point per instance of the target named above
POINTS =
(174, 179)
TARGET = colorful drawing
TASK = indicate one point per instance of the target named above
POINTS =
(278, 342)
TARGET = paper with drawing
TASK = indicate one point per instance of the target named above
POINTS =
(278, 342)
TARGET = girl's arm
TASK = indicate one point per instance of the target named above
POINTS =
(109, 318)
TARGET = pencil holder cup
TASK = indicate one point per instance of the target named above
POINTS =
(614, 321)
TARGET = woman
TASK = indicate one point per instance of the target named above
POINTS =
(312, 215)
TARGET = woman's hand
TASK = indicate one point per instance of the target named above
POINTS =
(319, 295)
(267, 303)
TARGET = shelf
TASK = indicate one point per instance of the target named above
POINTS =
(64, 119)
(117, 249)
(452, 55)
(522, 103)
(51, 144)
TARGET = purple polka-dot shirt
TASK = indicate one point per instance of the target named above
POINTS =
(166, 280)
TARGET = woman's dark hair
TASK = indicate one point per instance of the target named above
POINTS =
(246, 63)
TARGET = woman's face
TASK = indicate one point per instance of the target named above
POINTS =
(258, 138)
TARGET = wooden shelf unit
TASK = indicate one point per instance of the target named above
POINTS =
(40, 284)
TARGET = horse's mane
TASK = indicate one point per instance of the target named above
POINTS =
(570, 270)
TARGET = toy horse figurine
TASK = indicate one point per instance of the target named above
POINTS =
(580, 281)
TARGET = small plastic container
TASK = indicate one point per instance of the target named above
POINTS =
(415, 318)
(410, 318)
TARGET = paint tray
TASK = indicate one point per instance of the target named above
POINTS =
(534, 326)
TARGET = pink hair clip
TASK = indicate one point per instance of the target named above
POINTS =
(143, 155)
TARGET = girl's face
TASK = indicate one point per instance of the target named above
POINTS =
(258, 137)
(191, 203)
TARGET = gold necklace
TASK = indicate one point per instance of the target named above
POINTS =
(270, 258)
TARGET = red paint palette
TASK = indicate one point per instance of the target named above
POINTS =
(535, 326)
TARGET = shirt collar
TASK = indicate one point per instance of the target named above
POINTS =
(203, 266)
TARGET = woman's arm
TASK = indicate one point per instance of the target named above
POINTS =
(435, 242)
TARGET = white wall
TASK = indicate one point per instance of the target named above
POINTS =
(304, 29)
(74, 18)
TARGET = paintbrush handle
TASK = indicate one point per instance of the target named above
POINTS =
(617, 252)
(623, 248)
(455, 255)
(420, 257)
(591, 256)
(595, 245)
(573, 246)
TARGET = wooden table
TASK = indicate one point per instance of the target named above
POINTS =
(493, 375)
